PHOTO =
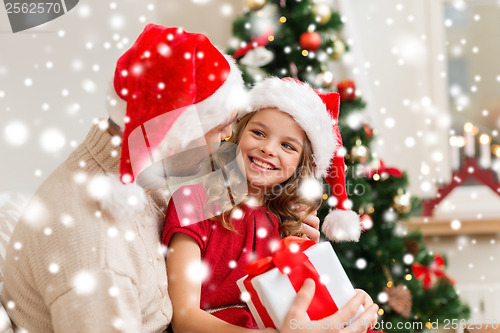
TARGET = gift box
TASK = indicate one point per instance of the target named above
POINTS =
(272, 282)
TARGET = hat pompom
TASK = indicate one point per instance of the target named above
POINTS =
(115, 198)
(342, 226)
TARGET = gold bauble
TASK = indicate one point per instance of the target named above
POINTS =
(325, 79)
(255, 4)
(322, 13)
(402, 203)
(338, 50)
(360, 153)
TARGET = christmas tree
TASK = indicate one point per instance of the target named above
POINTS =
(301, 39)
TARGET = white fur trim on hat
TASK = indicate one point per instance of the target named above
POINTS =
(306, 107)
(342, 226)
(117, 199)
(200, 118)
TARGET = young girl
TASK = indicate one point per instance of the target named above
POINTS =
(214, 229)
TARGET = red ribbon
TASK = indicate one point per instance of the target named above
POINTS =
(291, 261)
(262, 40)
(392, 171)
(427, 273)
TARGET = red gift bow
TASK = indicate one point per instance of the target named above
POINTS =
(392, 171)
(291, 261)
(262, 40)
(427, 272)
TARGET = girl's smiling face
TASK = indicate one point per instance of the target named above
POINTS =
(270, 148)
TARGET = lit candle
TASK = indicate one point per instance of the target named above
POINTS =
(496, 163)
(426, 184)
(484, 151)
(469, 140)
(456, 142)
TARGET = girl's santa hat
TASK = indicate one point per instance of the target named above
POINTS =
(177, 87)
(317, 114)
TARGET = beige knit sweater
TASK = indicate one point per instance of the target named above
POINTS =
(72, 266)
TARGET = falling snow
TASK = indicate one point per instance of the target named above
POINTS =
(53, 137)
(84, 283)
(197, 272)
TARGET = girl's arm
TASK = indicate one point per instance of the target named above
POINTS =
(184, 287)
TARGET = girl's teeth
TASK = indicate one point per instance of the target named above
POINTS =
(262, 164)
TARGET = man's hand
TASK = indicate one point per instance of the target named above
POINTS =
(297, 320)
(310, 225)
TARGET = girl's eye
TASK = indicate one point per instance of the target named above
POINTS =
(258, 133)
(288, 146)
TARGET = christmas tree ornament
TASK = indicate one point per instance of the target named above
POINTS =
(359, 153)
(400, 300)
(402, 202)
(377, 169)
(325, 79)
(338, 50)
(347, 90)
(260, 41)
(412, 246)
(368, 131)
(401, 229)
(366, 222)
(255, 4)
(429, 274)
(322, 13)
(359, 170)
(257, 73)
(258, 57)
(310, 41)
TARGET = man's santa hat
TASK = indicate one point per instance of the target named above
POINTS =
(317, 114)
(177, 87)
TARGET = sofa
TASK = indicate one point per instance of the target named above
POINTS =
(11, 207)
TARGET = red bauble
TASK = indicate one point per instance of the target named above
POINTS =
(366, 222)
(347, 90)
(310, 41)
(368, 131)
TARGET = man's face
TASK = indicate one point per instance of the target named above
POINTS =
(214, 137)
(188, 161)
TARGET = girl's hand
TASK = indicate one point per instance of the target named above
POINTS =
(310, 226)
(366, 299)
(297, 321)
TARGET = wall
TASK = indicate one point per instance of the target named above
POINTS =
(473, 263)
(394, 61)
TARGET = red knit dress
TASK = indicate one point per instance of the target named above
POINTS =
(224, 252)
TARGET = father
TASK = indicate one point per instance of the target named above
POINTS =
(85, 255)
